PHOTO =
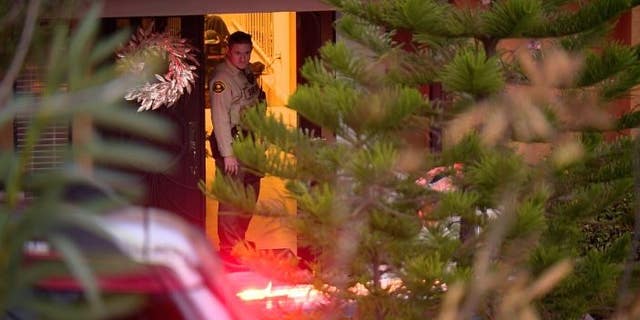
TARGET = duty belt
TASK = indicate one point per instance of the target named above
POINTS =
(237, 131)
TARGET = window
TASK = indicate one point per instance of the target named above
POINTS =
(49, 150)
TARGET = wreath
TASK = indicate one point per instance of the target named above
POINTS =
(174, 53)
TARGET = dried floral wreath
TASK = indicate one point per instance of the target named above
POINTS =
(145, 46)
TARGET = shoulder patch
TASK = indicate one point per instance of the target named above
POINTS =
(218, 86)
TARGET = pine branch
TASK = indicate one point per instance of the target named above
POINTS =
(628, 121)
(463, 22)
(317, 72)
(372, 165)
(610, 61)
(494, 174)
(595, 37)
(530, 219)
(284, 152)
(622, 84)
(370, 36)
(592, 13)
(414, 69)
(367, 10)
(345, 64)
(512, 18)
(419, 16)
(324, 105)
(552, 6)
(386, 110)
(583, 202)
(472, 72)
(269, 128)
(228, 190)
(603, 163)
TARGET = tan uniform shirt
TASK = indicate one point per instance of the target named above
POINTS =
(231, 92)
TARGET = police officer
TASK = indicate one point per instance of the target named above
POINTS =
(233, 89)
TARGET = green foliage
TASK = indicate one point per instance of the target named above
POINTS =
(592, 222)
(343, 62)
(494, 175)
(373, 165)
(504, 229)
(590, 38)
(383, 112)
(622, 84)
(530, 219)
(472, 72)
(590, 14)
(610, 61)
(369, 36)
(419, 16)
(591, 286)
(614, 69)
(18, 34)
(457, 203)
(233, 192)
(80, 82)
(610, 229)
(316, 104)
(513, 18)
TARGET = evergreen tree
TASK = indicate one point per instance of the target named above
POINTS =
(508, 241)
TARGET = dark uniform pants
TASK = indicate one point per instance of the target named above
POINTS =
(232, 224)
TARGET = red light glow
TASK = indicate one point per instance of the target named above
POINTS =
(298, 295)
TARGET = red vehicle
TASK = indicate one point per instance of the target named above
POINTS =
(178, 272)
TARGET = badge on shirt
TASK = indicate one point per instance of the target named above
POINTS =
(218, 86)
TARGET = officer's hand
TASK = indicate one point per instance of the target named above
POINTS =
(231, 165)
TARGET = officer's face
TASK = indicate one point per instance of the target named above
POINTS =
(239, 55)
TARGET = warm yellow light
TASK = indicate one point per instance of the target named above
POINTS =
(295, 292)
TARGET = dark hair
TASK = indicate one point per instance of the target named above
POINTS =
(239, 37)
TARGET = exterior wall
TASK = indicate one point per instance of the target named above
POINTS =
(146, 8)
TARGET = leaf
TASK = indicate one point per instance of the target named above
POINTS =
(472, 72)
(121, 118)
(105, 49)
(79, 45)
(79, 267)
(159, 77)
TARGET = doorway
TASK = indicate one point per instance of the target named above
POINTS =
(282, 42)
